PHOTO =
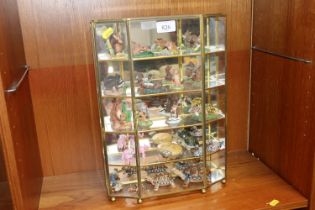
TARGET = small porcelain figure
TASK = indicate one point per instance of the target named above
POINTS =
(161, 180)
(114, 181)
(116, 43)
(127, 156)
(191, 40)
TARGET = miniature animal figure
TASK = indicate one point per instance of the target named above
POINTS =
(113, 82)
(156, 169)
(119, 116)
(161, 180)
(127, 156)
(138, 48)
(169, 75)
(189, 172)
(129, 170)
(162, 44)
(122, 142)
(115, 114)
(114, 181)
(191, 40)
(116, 43)
(172, 74)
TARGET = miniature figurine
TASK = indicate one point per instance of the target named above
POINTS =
(189, 172)
(140, 51)
(143, 116)
(212, 112)
(174, 119)
(127, 156)
(116, 43)
(172, 74)
(148, 86)
(164, 47)
(122, 143)
(144, 121)
(191, 40)
(129, 170)
(161, 180)
(155, 169)
(120, 115)
(188, 141)
(113, 83)
(114, 181)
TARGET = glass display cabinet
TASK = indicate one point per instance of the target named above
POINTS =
(161, 91)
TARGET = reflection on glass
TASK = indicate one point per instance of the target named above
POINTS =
(190, 42)
(111, 41)
(215, 34)
(118, 114)
(114, 78)
(215, 70)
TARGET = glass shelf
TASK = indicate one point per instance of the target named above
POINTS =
(168, 56)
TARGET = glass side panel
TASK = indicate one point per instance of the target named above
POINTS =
(215, 137)
(171, 178)
(215, 103)
(114, 78)
(215, 70)
(111, 41)
(215, 34)
(216, 167)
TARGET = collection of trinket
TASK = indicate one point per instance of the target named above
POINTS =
(183, 78)
(171, 175)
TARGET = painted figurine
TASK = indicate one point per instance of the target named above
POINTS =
(191, 40)
(115, 181)
(161, 180)
(120, 116)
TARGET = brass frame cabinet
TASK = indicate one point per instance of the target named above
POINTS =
(161, 89)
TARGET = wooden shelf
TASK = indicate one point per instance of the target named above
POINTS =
(250, 185)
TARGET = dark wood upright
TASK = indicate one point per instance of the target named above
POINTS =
(282, 90)
(17, 128)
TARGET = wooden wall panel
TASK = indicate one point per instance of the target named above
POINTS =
(66, 123)
(239, 24)
(280, 26)
(282, 100)
(57, 40)
(280, 118)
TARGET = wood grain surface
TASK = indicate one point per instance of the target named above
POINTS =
(251, 185)
(280, 118)
(282, 98)
(17, 127)
(5, 193)
(281, 25)
(57, 42)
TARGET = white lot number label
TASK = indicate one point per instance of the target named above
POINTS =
(166, 26)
